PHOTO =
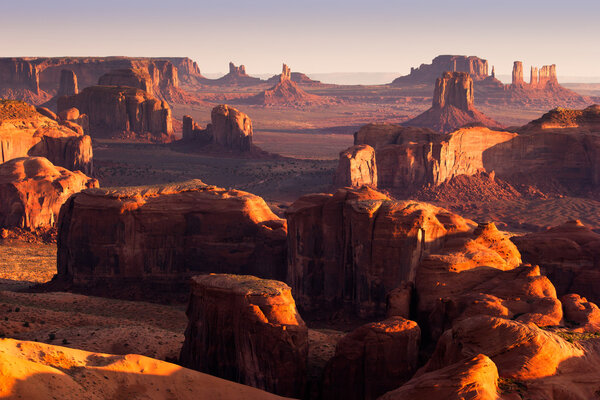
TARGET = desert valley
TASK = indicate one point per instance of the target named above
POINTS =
(168, 235)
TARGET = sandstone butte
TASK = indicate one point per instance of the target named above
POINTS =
(286, 92)
(248, 330)
(453, 106)
(122, 111)
(229, 130)
(357, 167)
(26, 131)
(32, 191)
(559, 152)
(378, 244)
(237, 76)
(569, 254)
(39, 371)
(157, 237)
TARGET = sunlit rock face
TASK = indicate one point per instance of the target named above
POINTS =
(248, 330)
(357, 167)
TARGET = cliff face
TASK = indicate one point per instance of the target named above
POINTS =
(26, 132)
(114, 110)
(68, 83)
(160, 236)
(18, 73)
(357, 167)
(230, 128)
(476, 67)
(136, 78)
(452, 106)
(32, 191)
(247, 330)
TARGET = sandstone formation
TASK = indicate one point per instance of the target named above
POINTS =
(188, 70)
(580, 314)
(452, 105)
(373, 360)
(39, 371)
(351, 248)
(122, 111)
(157, 237)
(474, 378)
(285, 92)
(476, 67)
(230, 128)
(32, 190)
(248, 330)
(568, 254)
(68, 83)
(297, 77)
(517, 74)
(357, 167)
(136, 78)
(236, 76)
(191, 130)
(26, 132)
(409, 159)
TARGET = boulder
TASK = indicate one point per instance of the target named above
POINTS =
(569, 255)
(40, 371)
(580, 314)
(68, 83)
(118, 110)
(373, 360)
(247, 330)
(157, 237)
(353, 247)
(26, 132)
(32, 191)
(452, 106)
(230, 128)
(357, 167)
(474, 378)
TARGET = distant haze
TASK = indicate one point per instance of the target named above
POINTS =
(332, 36)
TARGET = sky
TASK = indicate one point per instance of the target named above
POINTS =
(311, 35)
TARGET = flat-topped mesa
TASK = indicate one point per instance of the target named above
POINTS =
(130, 77)
(32, 191)
(517, 74)
(68, 83)
(230, 128)
(454, 89)
(27, 131)
(17, 73)
(247, 330)
(476, 67)
(122, 111)
(157, 237)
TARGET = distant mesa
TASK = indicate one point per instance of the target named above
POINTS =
(297, 77)
(286, 93)
(121, 111)
(236, 76)
(453, 106)
(476, 67)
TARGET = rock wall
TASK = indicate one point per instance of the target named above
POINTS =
(230, 128)
(32, 191)
(18, 73)
(162, 235)
(114, 110)
(68, 83)
(357, 167)
(348, 250)
(247, 330)
(136, 78)
(26, 132)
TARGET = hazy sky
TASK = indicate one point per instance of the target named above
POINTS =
(311, 35)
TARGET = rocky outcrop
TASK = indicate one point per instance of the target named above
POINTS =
(26, 132)
(187, 69)
(378, 244)
(517, 74)
(68, 83)
(474, 378)
(32, 190)
(357, 167)
(36, 371)
(247, 330)
(136, 78)
(156, 237)
(230, 128)
(568, 254)
(534, 77)
(18, 73)
(476, 67)
(409, 159)
(580, 314)
(122, 111)
(285, 93)
(373, 360)
(236, 76)
(452, 105)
